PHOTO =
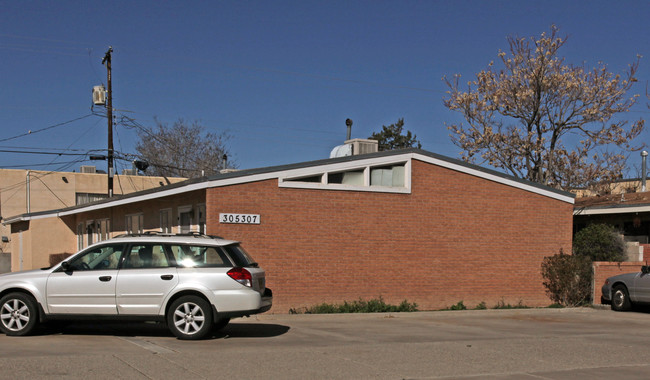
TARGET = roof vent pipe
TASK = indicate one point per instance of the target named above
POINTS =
(348, 122)
(644, 156)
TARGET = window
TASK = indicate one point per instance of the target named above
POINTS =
(166, 220)
(377, 176)
(199, 256)
(104, 257)
(146, 256)
(83, 198)
(355, 177)
(391, 176)
(310, 179)
(133, 223)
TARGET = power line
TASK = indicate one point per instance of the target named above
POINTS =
(46, 128)
(41, 152)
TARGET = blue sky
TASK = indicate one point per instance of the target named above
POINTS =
(280, 77)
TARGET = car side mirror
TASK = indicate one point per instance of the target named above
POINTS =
(66, 266)
(645, 269)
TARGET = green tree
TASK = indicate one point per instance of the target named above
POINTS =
(391, 137)
(599, 242)
(541, 119)
(182, 149)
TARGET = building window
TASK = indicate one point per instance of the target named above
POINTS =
(353, 177)
(134, 224)
(389, 177)
(82, 198)
(166, 221)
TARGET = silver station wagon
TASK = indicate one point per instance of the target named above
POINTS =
(193, 283)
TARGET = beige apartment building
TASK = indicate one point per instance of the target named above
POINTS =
(29, 191)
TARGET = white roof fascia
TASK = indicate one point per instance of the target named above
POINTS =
(494, 178)
(612, 210)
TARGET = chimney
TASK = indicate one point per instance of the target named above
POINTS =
(644, 156)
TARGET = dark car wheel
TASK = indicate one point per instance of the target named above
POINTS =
(18, 314)
(620, 299)
(190, 317)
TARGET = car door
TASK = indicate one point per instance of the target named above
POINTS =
(641, 289)
(88, 284)
(145, 280)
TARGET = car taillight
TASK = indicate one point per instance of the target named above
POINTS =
(241, 275)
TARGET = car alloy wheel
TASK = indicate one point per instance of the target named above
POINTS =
(191, 318)
(17, 314)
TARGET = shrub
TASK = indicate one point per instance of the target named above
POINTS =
(567, 279)
(481, 306)
(459, 306)
(599, 242)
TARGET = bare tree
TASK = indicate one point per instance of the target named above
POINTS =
(543, 120)
(182, 149)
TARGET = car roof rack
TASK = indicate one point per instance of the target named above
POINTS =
(158, 233)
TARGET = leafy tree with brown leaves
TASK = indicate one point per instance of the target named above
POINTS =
(182, 149)
(541, 119)
(391, 137)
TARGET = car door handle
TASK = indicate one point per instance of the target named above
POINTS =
(167, 277)
(105, 278)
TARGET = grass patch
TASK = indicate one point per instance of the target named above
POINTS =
(502, 305)
(376, 305)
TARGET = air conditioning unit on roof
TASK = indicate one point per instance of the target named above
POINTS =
(88, 169)
(363, 146)
(130, 172)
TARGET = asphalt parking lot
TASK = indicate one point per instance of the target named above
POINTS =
(486, 344)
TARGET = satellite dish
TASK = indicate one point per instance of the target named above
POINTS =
(341, 151)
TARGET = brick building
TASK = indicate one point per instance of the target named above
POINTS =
(403, 225)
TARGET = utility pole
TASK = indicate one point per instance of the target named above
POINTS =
(109, 114)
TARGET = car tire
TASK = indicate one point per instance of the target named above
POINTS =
(18, 314)
(220, 324)
(190, 318)
(620, 299)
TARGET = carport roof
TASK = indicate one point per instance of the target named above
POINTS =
(258, 174)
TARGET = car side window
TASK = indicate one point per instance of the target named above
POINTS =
(193, 256)
(98, 258)
(146, 256)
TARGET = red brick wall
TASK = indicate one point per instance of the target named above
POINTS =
(603, 270)
(454, 238)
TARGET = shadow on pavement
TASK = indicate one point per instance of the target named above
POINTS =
(152, 329)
